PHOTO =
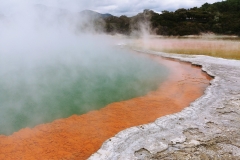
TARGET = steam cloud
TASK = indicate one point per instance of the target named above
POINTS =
(51, 69)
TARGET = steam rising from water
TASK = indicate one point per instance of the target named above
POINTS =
(49, 69)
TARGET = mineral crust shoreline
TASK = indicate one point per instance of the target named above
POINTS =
(208, 129)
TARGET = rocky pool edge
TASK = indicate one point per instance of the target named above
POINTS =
(209, 128)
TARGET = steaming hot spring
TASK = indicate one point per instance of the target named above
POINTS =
(70, 91)
(52, 81)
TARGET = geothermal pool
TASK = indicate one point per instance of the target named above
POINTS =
(40, 88)
(77, 137)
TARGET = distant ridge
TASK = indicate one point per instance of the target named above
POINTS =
(219, 18)
(95, 14)
(106, 15)
(88, 13)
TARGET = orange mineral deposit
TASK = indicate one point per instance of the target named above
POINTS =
(79, 136)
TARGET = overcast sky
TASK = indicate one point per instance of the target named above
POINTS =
(115, 7)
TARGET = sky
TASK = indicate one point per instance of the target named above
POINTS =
(115, 7)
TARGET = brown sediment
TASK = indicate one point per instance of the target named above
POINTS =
(77, 137)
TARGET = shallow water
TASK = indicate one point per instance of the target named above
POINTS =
(61, 85)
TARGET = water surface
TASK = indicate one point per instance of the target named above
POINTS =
(40, 89)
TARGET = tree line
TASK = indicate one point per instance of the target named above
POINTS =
(220, 18)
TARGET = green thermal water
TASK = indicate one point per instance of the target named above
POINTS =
(57, 87)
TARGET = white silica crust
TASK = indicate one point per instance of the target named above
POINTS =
(208, 129)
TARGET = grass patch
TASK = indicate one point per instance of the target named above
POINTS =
(229, 49)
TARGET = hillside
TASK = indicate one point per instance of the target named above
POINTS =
(220, 18)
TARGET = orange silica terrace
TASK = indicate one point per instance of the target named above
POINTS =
(77, 137)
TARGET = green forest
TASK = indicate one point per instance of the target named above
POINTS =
(220, 18)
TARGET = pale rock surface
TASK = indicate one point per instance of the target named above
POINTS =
(208, 129)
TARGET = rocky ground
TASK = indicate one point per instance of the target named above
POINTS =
(208, 129)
